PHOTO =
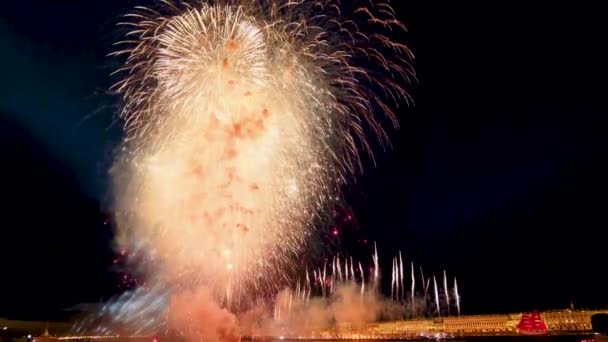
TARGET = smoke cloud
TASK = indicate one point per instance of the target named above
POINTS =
(347, 307)
(196, 316)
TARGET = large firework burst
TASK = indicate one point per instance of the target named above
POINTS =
(243, 119)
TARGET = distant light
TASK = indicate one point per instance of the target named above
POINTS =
(29, 336)
(4, 328)
(281, 337)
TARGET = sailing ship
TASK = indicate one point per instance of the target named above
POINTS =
(532, 324)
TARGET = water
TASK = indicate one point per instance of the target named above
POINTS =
(515, 338)
(546, 338)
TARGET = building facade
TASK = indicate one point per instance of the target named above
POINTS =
(562, 321)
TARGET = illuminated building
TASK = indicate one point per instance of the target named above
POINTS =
(557, 322)
(569, 320)
(565, 321)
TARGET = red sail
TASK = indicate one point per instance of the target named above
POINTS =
(532, 323)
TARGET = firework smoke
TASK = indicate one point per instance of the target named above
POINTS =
(346, 306)
(300, 311)
(243, 119)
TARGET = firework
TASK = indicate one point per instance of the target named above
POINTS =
(436, 296)
(243, 119)
(457, 296)
(395, 306)
(401, 277)
(393, 279)
(446, 292)
(413, 290)
(362, 279)
(376, 265)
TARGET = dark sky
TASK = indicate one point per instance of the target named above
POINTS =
(498, 174)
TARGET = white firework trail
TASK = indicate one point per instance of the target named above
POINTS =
(362, 279)
(139, 309)
(426, 287)
(352, 269)
(346, 269)
(456, 296)
(308, 285)
(333, 270)
(413, 290)
(393, 281)
(437, 297)
(323, 279)
(347, 274)
(423, 282)
(339, 267)
(396, 277)
(376, 266)
(446, 291)
(401, 277)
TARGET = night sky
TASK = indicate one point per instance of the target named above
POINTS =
(498, 174)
